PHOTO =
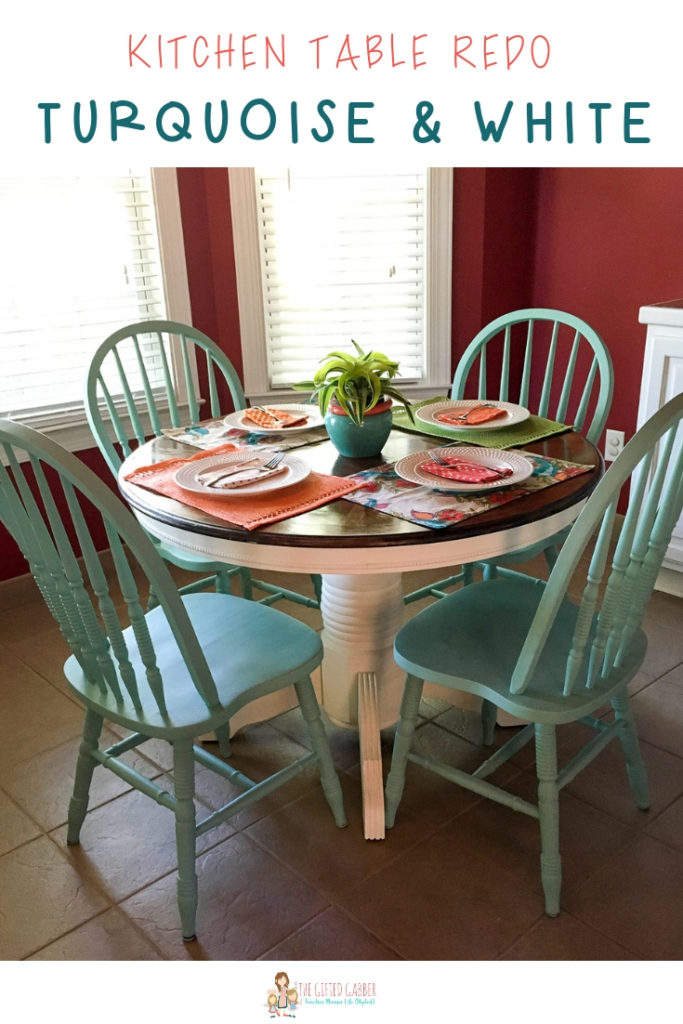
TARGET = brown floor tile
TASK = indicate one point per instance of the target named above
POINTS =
(664, 649)
(43, 784)
(446, 899)
(668, 826)
(45, 654)
(16, 828)
(636, 899)
(129, 843)
(565, 938)
(35, 717)
(659, 712)
(248, 903)
(457, 878)
(41, 898)
(338, 859)
(110, 936)
(331, 935)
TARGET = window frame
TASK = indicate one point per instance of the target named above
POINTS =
(439, 255)
(68, 425)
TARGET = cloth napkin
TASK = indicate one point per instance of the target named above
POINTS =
(476, 414)
(249, 511)
(465, 471)
(272, 419)
(229, 477)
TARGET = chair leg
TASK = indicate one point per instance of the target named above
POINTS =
(490, 571)
(245, 583)
(635, 767)
(551, 555)
(317, 581)
(549, 816)
(410, 703)
(85, 765)
(186, 833)
(223, 737)
(489, 714)
(316, 731)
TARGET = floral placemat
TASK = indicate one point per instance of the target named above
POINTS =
(384, 490)
(532, 429)
(208, 434)
(248, 511)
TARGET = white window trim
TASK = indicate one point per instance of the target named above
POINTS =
(69, 426)
(249, 288)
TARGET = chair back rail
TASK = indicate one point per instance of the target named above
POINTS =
(141, 378)
(43, 501)
(616, 591)
(548, 361)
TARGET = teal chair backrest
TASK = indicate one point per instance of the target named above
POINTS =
(616, 589)
(548, 361)
(146, 376)
(44, 494)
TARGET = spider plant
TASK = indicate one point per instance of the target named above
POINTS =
(354, 383)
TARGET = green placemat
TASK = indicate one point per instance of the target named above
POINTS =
(531, 429)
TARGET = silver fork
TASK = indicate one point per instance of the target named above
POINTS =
(272, 463)
(268, 412)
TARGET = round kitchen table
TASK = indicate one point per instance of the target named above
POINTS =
(362, 554)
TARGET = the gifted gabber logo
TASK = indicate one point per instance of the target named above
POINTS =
(282, 1000)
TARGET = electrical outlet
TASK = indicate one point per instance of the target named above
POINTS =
(614, 442)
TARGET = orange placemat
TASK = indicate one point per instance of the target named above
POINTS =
(249, 511)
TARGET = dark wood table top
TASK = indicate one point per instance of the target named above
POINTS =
(346, 524)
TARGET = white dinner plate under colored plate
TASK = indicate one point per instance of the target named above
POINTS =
(186, 476)
(430, 413)
(236, 419)
(410, 469)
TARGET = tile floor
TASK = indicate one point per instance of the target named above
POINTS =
(457, 878)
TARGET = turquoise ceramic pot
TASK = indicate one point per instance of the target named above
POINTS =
(357, 442)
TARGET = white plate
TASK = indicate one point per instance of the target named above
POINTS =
(429, 413)
(186, 476)
(409, 468)
(236, 419)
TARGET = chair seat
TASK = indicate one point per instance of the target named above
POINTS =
(470, 641)
(287, 651)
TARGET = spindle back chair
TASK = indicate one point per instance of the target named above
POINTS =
(175, 672)
(149, 376)
(525, 647)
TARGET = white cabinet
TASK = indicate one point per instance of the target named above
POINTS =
(662, 380)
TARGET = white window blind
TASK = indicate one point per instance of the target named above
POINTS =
(79, 259)
(342, 257)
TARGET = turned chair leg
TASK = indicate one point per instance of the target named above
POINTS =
(316, 731)
(78, 805)
(549, 816)
(635, 767)
(185, 828)
(410, 703)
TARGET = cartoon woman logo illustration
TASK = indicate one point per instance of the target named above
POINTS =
(282, 1000)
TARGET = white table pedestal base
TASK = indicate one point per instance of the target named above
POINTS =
(361, 616)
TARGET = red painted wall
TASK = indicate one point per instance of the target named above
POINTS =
(608, 240)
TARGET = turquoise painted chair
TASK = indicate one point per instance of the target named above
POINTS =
(553, 364)
(525, 646)
(145, 377)
(172, 673)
